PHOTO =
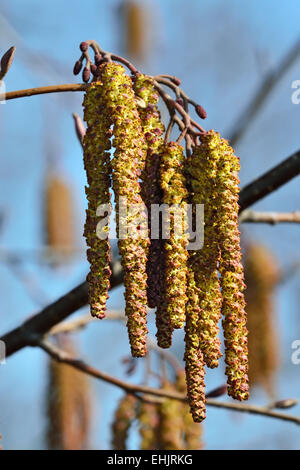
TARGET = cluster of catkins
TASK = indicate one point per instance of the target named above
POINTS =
(262, 276)
(189, 288)
(166, 425)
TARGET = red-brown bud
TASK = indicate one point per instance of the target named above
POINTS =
(217, 392)
(84, 46)
(176, 80)
(94, 69)
(201, 111)
(98, 59)
(6, 60)
(77, 67)
(86, 74)
(180, 101)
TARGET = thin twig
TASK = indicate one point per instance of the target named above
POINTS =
(263, 92)
(272, 218)
(11, 95)
(63, 357)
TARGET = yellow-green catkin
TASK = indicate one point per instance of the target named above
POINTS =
(171, 422)
(124, 416)
(193, 357)
(151, 192)
(202, 170)
(261, 275)
(231, 268)
(68, 403)
(193, 432)
(175, 194)
(127, 166)
(96, 146)
(149, 425)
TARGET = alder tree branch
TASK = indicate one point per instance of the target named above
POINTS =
(270, 181)
(42, 322)
(249, 216)
(63, 357)
(11, 95)
(263, 92)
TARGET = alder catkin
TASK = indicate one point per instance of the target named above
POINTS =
(171, 422)
(124, 415)
(59, 214)
(127, 164)
(230, 267)
(151, 192)
(192, 431)
(175, 194)
(193, 357)
(68, 404)
(202, 171)
(149, 422)
(96, 144)
(261, 275)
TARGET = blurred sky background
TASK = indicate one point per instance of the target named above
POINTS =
(221, 50)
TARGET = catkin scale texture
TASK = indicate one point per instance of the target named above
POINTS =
(202, 170)
(231, 269)
(193, 357)
(127, 166)
(151, 192)
(96, 144)
(175, 194)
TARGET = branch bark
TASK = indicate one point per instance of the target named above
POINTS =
(63, 357)
(42, 322)
(249, 216)
(263, 92)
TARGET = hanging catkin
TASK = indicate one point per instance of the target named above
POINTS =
(68, 404)
(59, 216)
(193, 357)
(124, 415)
(261, 274)
(96, 144)
(202, 170)
(149, 425)
(230, 267)
(192, 431)
(171, 422)
(151, 192)
(175, 194)
(128, 163)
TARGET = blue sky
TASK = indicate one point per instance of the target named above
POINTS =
(221, 51)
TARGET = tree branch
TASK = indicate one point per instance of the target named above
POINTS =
(270, 181)
(56, 312)
(263, 92)
(249, 216)
(10, 95)
(38, 325)
(63, 357)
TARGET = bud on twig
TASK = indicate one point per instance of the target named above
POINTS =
(77, 67)
(201, 111)
(287, 403)
(180, 101)
(86, 74)
(79, 127)
(6, 61)
(98, 59)
(217, 392)
(84, 46)
(176, 81)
